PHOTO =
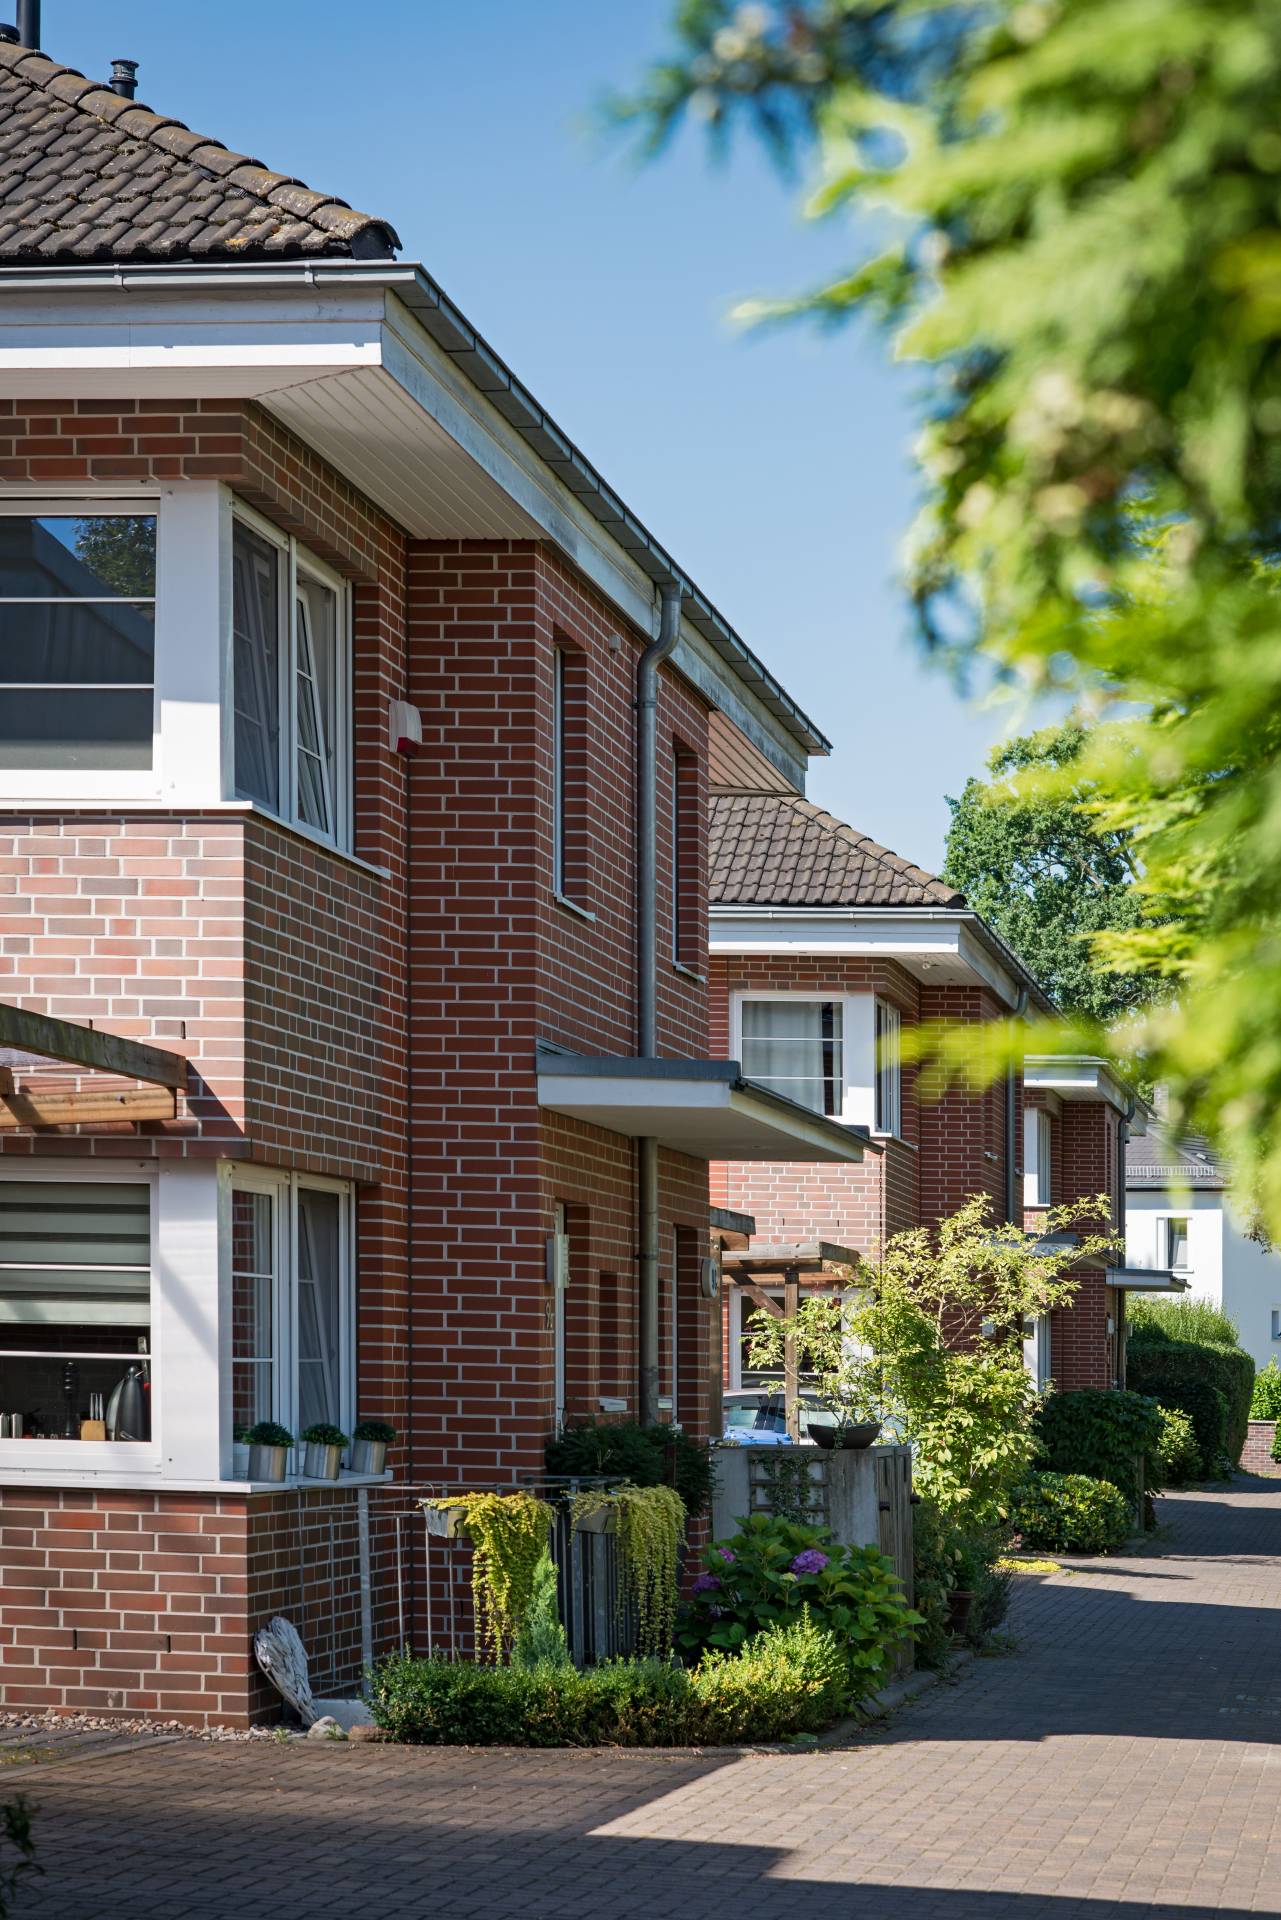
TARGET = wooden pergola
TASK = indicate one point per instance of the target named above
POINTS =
(788, 1262)
(34, 1108)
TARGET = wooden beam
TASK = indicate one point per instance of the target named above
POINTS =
(31, 1108)
(87, 1047)
(761, 1299)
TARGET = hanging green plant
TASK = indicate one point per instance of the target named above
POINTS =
(592, 1510)
(651, 1528)
(509, 1533)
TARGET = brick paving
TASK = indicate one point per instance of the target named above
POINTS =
(1124, 1761)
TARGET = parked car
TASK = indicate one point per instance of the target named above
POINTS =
(757, 1417)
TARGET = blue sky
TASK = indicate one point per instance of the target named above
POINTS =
(777, 468)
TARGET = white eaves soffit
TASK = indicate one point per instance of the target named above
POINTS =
(941, 947)
(339, 357)
(703, 1108)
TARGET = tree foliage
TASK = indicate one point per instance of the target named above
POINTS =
(1083, 204)
(1048, 876)
(935, 1324)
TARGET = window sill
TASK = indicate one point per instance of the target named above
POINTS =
(122, 1480)
(689, 973)
(896, 1139)
(572, 906)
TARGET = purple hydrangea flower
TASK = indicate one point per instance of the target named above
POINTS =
(811, 1561)
(705, 1583)
(726, 1553)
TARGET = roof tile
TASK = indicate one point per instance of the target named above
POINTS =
(775, 849)
(90, 175)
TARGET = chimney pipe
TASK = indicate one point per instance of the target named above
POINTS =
(124, 78)
(29, 23)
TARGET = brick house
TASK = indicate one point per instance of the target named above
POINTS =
(826, 948)
(340, 1080)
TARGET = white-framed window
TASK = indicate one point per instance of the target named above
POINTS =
(77, 638)
(558, 770)
(558, 1276)
(293, 1319)
(290, 680)
(77, 1358)
(888, 1117)
(1276, 1323)
(1175, 1239)
(817, 1049)
(1037, 1138)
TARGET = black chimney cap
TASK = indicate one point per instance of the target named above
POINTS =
(9, 35)
(124, 78)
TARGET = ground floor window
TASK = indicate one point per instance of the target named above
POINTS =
(75, 1309)
(293, 1342)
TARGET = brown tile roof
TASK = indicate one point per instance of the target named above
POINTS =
(87, 175)
(774, 849)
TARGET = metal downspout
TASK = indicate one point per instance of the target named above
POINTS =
(647, 981)
(1011, 1123)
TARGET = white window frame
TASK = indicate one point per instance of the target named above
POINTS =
(1038, 1174)
(106, 783)
(558, 771)
(858, 1045)
(57, 1459)
(887, 1118)
(285, 1189)
(560, 1277)
(1164, 1222)
(294, 558)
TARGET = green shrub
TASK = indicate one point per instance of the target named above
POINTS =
(540, 1640)
(1178, 1458)
(773, 1569)
(977, 1572)
(1212, 1383)
(934, 1576)
(1183, 1318)
(1101, 1433)
(1265, 1402)
(1070, 1513)
(646, 1456)
(784, 1681)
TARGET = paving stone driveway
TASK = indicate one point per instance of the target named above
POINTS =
(1123, 1762)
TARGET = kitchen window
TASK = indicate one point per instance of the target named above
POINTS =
(293, 1347)
(291, 676)
(75, 1309)
(77, 640)
(889, 1073)
(796, 1047)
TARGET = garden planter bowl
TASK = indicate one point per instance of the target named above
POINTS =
(602, 1520)
(960, 1605)
(320, 1462)
(846, 1439)
(369, 1456)
(445, 1523)
(267, 1463)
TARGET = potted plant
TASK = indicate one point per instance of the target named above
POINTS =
(369, 1444)
(324, 1446)
(843, 1380)
(269, 1445)
(445, 1519)
(240, 1452)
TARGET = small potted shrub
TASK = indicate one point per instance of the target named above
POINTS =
(369, 1444)
(324, 1446)
(269, 1446)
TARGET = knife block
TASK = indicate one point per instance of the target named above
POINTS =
(93, 1429)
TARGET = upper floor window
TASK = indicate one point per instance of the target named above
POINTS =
(291, 675)
(1176, 1242)
(77, 640)
(686, 859)
(558, 770)
(1036, 1159)
(889, 1073)
(796, 1047)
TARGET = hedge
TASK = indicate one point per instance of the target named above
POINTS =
(1212, 1384)
(785, 1681)
(1070, 1513)
(1099, 1432)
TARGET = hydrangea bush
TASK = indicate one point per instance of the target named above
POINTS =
(773, 1569)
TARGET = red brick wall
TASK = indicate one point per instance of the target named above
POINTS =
(1257, 1454)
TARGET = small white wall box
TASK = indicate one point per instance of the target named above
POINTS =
(404, 727)
(709, 1278)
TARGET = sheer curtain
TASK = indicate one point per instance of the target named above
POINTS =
(319, 1308)
(255, 569)
(794, 1048)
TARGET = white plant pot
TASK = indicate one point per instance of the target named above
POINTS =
(240, 1460)
(601, 1520)
(320, 1462)
(368, 1456)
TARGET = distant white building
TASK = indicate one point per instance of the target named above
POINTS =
(1180, 1213)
